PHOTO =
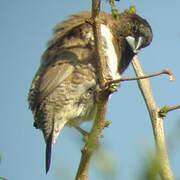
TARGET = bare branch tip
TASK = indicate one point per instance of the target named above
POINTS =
(171, 76)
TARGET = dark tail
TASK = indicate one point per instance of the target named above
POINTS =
(48, 152)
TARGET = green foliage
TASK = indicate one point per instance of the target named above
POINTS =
(111, 2)
(3, 178)
(114, 10)
(105, 163)
(132, 9)
(107, 123)
(163, 111)
(151, 172)
(113, 87)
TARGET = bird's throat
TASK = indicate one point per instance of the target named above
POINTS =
(109, 52)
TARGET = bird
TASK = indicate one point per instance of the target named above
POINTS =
(64, 89)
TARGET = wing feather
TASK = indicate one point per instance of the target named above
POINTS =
(73, 21)
(53, 77)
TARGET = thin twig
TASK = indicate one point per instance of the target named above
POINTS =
(99, 122)
(157, 123)
(173, 108)
(163, 111)
(164, 71)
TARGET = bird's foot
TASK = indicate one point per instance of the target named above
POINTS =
(85, 133)
(82, 131)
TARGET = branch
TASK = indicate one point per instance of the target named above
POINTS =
(163, 111)
(164, 71)
(99, 122)
(157, 123)
(173, 108)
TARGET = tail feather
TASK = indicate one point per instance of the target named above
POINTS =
(52, 139)
(48, 152)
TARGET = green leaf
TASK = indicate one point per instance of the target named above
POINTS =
(107, 123)
(115, 13)
(132, 9)
(111, 2)
(163, 111)
(113, 87)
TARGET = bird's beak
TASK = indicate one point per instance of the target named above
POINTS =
(135, 44)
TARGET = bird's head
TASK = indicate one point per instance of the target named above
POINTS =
(132, 33)
(136, 30)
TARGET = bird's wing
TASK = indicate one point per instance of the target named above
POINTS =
(53, 77)
(49, 81)
(73, 21)
(43, 85)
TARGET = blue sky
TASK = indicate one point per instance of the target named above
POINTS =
(24, 30)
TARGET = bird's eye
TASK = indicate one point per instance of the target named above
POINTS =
(134, 28)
